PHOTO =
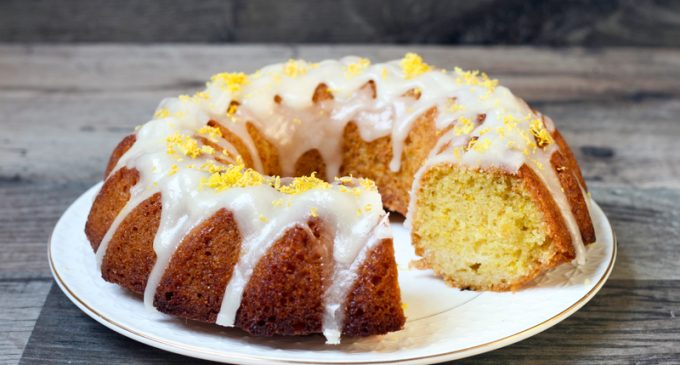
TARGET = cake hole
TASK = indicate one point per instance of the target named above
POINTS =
(169, 295)
(475, 267)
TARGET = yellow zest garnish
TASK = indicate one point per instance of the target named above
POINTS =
(383, 73)
(232, 81)
(475, 78)
(184, 144)
(453, 106)
(161, 113)
(464, 126)
(527, 140)
(294, 68)
(481, 145)
(173, 169)
(357, 67)
(208, 150)
(412, 65)
(209, 131)
(304, 183)
(471, 143)
(201, 95)
(313, 212)
(233, 107)
(212, 167)
(541, 135)
(368, 207)
(510, 122)
(263, 219)
(368, 184)
(184, 98)
(233, 176)
(277, 203)
(457, 153)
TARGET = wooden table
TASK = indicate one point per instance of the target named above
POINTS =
(63, 108)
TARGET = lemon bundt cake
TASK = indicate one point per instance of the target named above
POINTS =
(193, 213)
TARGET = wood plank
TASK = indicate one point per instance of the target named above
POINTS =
(64, 334)
(402, 21)
(629, 321)
(534, 73)
(616, 143)
(87, 98)
(28, 213)
(20, 305)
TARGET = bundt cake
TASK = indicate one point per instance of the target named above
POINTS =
(193, 213)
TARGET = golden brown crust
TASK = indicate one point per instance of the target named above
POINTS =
(570, 160)
(374, 304)
(285, 293)
(311, 162)
(118, 152)
(322, 93)
(110, 200)
(193, 285)
(130, 255)
(266, 150)
(235, 141)
(372, 159)
(557, 227)
(574, 195)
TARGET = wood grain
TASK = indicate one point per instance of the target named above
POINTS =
(90, 97)
(64, 334)
(63, 108)
(627, 322)
(20, 304)
(592, 23)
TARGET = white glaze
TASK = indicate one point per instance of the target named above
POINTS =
(296, 125)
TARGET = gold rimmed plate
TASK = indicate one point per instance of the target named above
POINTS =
(443, 323)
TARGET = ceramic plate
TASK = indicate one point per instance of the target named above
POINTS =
(443, 323)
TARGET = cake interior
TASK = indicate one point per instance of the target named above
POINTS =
(485, 228)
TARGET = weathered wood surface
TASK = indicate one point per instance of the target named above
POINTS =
(537, 22)
(628, 322)
(63, 108)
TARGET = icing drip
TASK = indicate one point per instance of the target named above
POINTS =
(481, 125)
(194, 186)
(344, 275)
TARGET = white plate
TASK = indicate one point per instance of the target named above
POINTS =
(443, 323)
